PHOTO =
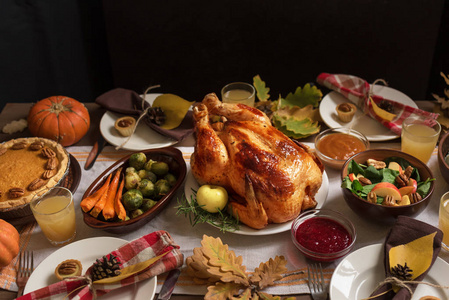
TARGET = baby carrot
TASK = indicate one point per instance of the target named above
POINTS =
(108, 209)
(119, 208)
(89, 202)
(102, 201)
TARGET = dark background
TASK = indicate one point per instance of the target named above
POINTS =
(83, 48)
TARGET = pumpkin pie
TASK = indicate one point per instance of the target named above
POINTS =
(29, 166)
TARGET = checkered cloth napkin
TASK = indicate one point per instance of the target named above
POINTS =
(358, 90)
(139, 251)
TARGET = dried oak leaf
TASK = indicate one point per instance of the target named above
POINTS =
(222, 291)
(197, 268)
(223, 262)
(267, 273)
(245, 295)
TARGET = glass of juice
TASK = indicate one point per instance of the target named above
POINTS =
(419, 137)
(443, 220)
(55, 213)
(239, 92)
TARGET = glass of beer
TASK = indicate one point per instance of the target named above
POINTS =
(419, 137)
(54, 211)
(239, 92)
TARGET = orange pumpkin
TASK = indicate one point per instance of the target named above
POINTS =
(9, 243)
(59, 118)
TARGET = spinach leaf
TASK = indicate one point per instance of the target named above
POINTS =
(355, 168)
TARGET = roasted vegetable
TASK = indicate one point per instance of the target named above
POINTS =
(132, 199)
(160, 168)
(161, 187)
(137, 160)
(146, 187)
(132, 180)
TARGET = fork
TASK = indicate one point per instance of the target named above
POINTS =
(26, 266)
(316, 283)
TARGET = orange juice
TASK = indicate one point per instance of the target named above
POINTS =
(419, 140)
(56, 217)
(443, 222)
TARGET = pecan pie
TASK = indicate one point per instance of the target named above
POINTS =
(28, 166)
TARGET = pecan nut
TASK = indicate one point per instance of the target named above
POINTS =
(402, 180)
(37, 145)
(48, 174)
(3, 150)
(35, 184)
(19, 145)
(376, 163)
(16, 192)
(52, 163)
(389, 201)
(372, 197)
(48, 153)
(67, 268)
(415, 197)
(364, 181)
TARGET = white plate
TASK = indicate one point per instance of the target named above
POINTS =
(356, 277)
(143, 138)
(320, 197)
(86, 251)
(371, 128)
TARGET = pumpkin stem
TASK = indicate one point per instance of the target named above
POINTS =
(58, 107)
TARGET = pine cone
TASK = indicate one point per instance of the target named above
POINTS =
(108, 267)
(387, 106)
(402, 272)
(157, 115)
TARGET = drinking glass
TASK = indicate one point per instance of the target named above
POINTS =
(55, 213)
(419, 137)
(239, 92)
(443, 220)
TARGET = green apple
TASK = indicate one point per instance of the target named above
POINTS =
(212, 198)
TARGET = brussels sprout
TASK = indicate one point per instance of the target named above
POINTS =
(148, 164)
(161, 187)
(132, 199)
(127, 218)
(146, 187)
(135, 213)
(132, 180)
(159, 168)
(170, 178)
(130, 170)
(137, 160)
(144, 174)
(147, 204)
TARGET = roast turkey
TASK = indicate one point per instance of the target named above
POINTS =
(269, 177)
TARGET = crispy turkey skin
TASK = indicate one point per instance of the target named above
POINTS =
(269, 177)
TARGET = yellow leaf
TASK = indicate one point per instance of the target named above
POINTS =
(174, 107)
(417, 254)
(382, 113)
(299, 113)
(132, 269)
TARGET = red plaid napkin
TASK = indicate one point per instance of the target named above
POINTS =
(139, 250)
(358, 91)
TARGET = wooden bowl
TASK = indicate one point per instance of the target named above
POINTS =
(443, 149)
(381, 213)
(172, 156)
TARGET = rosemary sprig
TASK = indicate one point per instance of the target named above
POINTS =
(222, 220)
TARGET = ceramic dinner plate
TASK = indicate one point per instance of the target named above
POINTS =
(357, 275)
(321, 196)
(371, 128)
(86, 251)
(143, 138)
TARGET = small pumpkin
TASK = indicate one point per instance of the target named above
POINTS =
(9, 243)
(59, 118)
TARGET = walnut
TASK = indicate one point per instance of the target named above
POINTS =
(389, 201)
(19, 145)
(364, 181)
(3, 150)
(48, 153)
(372, 197)
(415, 197)
(48, 174)
(52, 163)
(35, 184)
(376, 163)
(16, 192)
(37, 145)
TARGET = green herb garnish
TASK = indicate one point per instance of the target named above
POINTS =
(222, 220)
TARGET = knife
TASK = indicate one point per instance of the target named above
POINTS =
(169, 284)
(96, 150)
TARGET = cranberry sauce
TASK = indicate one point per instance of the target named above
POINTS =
(322, 235)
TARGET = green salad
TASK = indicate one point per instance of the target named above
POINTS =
(393, 177)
